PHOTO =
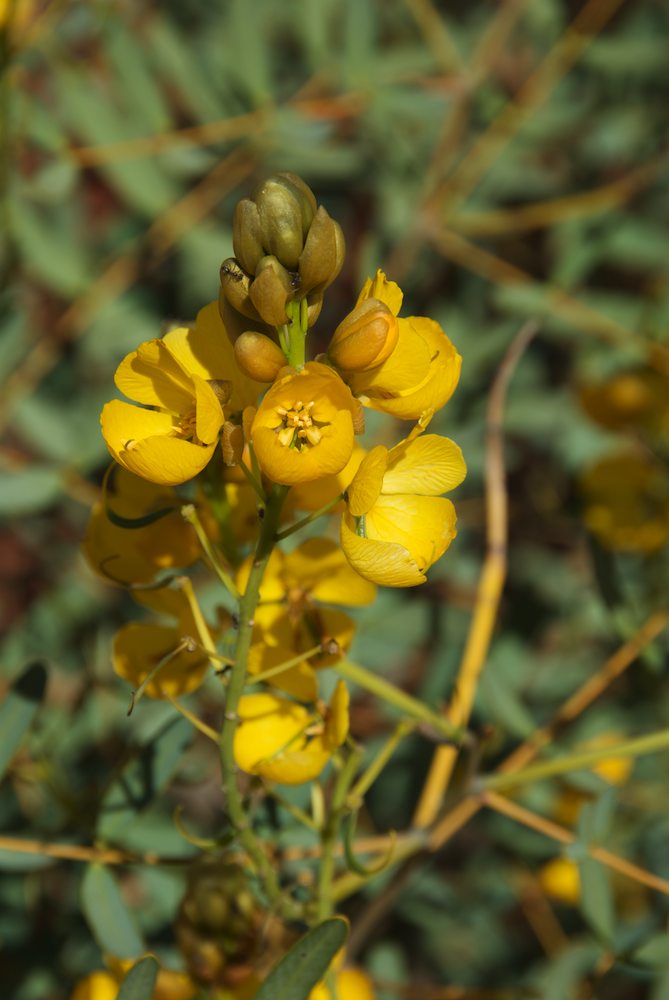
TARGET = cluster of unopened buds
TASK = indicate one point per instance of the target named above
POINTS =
(234, 440)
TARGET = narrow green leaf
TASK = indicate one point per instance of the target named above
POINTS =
(104, 908)
(18, 710)
(597, 899)
(140, 981)
(141, 781)
(306, 963)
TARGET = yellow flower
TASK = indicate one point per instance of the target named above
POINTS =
(290, 619)
(139, 647)
(135, 555)
(397, 524)
(283, 741)
(350, 984)
(304, 427)
(183, 382)
(314, 495)
(560, 879)
(422, 371)
(627, 502)
(634, 399)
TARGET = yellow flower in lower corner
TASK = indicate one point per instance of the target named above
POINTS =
(140, 647)
(397, 524)
(283, 741)
(305, 425)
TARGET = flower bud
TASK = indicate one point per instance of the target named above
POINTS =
(246, 235)
(305, 196)
(232, 443)
(280, 220)
(323, 255)
(365, 338)
(271, 288)
(235, 284)
(258, 356)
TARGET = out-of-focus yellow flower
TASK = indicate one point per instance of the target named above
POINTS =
(283, 741)
(397, 524)
(423, 369)
(290, 618)
(304, 427)
(103, 985)
(350, 984)
(140, 646)
(637, 399)
(627, 502)
(186, 383)
(614, 770)
(135, 555)
(560, 879)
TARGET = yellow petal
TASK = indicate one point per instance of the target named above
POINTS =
(167, 460)
(429, 465)
(385, 563)
(319, 567)
(96, 986)
(209, 415)
(368, 481)
(268, 725)
(289, 465)
(319, 492)
(300, 681)
(152, 376)
(336, 727)
(123, 423)
(272, 587)
(425, 526)
(138, 648)
(294, 767)
(380, 288)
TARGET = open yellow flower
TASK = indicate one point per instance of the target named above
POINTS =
(627, 502)
(290, 618)
(422, 371)
(397, 524)
(283, 741)
(135, 555)
(305, 425)
(140, 647)
(186, 383)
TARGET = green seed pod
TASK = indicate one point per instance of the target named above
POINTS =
(235, 284)
(258, 356)
(323, 255)
(280, 221)
(246, 235)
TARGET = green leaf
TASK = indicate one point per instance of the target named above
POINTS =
(104, 908)
(144, 777)
(140, 981)
(654, 951)
(306, 963)
(28, 490)
(597, 899)
(19, 709)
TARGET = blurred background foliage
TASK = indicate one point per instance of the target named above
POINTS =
(503, 161)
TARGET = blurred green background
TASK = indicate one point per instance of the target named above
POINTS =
(503, 161)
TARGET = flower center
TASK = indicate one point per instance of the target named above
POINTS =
(298, 428)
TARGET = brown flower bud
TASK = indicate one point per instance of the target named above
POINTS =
(232, 442)
(258, 356)
(365, 338)
(271, 288)
(235, 284)
(246, 235)
(280, 216)
(323, 255)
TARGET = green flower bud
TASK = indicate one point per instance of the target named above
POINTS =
(280, 215)
(304, 195)
(323, 255)
(246, 235)
(258, 356)
(271, 288)
(235, 284)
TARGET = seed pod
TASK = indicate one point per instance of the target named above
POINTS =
(246, 235)
(258, 356)
(323, 255)
(280, 221)
(235, 284)
(365, 338)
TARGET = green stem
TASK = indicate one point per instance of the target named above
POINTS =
(400, 699)
(330, 836)
(368, 778)
(585, 761)
(296, 335)
(325, 509)
(234, 799)
(190, 514)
